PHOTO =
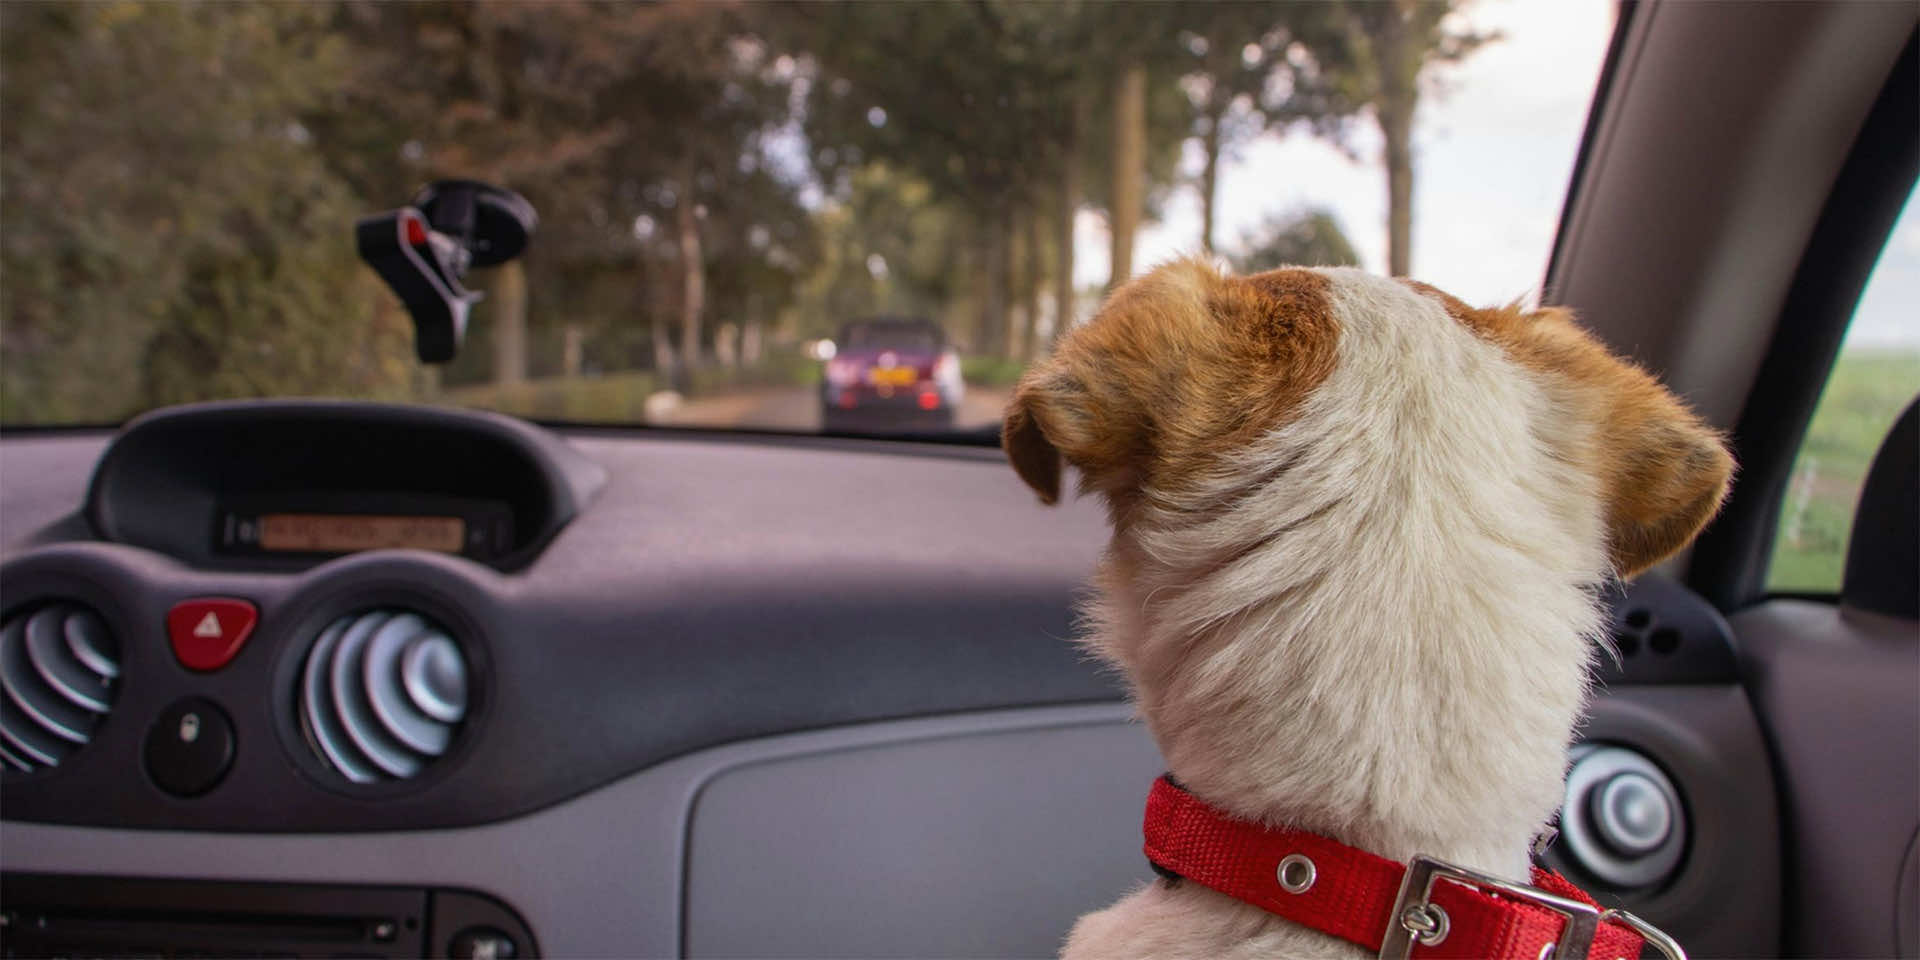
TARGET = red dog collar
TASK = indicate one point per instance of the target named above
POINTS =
(1427, 909)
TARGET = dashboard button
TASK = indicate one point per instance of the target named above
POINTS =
(207, 632)
(190, 747)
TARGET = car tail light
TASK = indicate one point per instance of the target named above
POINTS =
(847, 399)
(929, 399)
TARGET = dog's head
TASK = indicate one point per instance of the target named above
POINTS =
(1166, 396)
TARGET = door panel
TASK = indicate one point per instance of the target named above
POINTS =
(1835, 691)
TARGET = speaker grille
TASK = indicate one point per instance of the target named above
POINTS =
(58, 666)
(382, 694)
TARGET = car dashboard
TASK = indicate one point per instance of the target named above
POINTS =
(460, 685)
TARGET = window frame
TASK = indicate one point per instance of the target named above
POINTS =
(1731, 558)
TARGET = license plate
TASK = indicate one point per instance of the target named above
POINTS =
(891, 376)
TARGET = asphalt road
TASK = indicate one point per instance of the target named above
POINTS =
(798, 409)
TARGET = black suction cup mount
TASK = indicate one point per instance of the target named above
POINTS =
(425, 249)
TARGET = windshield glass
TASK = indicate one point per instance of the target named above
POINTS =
(735, 203)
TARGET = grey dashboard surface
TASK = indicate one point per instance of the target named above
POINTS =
(602, 875)
(977, 845)
(715, 591)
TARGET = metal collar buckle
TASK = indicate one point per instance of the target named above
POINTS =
(1654, 936)
(1417, 919)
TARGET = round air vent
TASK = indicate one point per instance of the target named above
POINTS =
(1622, 820)
(382, 694)
(58, 663)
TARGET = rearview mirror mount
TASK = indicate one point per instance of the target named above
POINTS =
(424, 250)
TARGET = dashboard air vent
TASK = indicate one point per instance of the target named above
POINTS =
(58, 663)
(382, 694)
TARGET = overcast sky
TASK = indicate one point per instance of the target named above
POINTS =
(1494, 147)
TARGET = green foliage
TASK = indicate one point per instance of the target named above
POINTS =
(178, 182)
(614, 398)
(170, 231)
(1866, 392)
(888, 249)
(1311, 238)
(622, 397)
(1251, 67)
(781, 369)
(991, 371)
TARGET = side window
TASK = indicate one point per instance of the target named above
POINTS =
(1875, 377)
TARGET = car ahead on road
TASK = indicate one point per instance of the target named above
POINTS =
(890, 373)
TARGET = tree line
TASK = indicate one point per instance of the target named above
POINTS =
(178, 181)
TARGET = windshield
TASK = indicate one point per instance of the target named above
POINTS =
(736, 204)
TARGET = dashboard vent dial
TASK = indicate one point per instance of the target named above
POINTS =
(58, 667)
(382, 694)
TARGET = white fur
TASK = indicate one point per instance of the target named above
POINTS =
(1386, 642)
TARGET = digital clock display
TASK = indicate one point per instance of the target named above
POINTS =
(348, 532)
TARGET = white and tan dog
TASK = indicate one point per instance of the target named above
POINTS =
(1358, 532)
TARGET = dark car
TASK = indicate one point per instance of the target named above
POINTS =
(890, 373)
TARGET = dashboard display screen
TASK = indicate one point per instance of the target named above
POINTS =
(346, 532)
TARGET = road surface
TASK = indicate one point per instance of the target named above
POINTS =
(798, 409)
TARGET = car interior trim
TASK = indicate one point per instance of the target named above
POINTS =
(1730, 561)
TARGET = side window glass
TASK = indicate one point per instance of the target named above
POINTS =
(1875, 377)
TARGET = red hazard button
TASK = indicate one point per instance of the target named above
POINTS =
(208, 631)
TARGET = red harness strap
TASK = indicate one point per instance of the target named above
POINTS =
(1353, 894)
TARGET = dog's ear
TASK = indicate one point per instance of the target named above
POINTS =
(1065, 411)
(1034, 457)
(1156, 345)
(1663, 472)
(1669, 474)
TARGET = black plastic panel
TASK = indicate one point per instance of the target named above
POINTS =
(50, 915)
(169, 479)
(1665, 633)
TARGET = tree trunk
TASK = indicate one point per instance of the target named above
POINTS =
(1019, 256)
(750, 344)
(666, 374)
(572, 348)
(994, 259)
(1129, 168)
(1031, 280)
(508, 305)
(660, 332)
(693, 278)
(1210, 174)
(1399, 78)
(1064, 312)
(1396, 128)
